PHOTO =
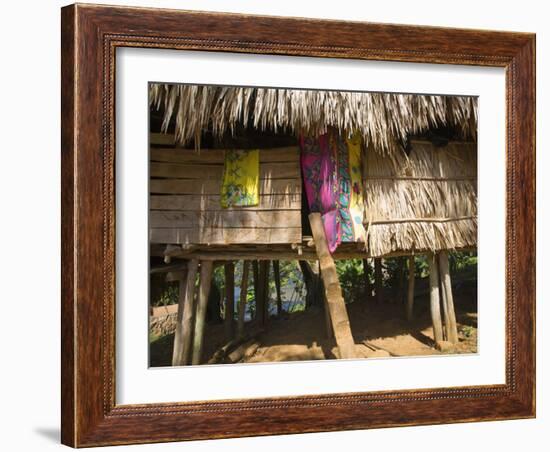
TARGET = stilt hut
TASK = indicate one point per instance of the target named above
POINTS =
(417, 189)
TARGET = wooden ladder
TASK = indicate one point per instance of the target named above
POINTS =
(335, 301)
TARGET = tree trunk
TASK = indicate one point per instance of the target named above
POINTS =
(313, 283)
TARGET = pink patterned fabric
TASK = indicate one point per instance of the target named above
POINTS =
(325, 168)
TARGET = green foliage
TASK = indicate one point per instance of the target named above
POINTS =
(165, 294)
(352, 279)
(467, 330)
(463, 262)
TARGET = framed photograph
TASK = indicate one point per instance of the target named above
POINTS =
(282, 225)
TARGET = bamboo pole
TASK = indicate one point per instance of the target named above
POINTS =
(378, 279)
(229, 270)
(452, 332)
(333, 291)
(410, 289)
(242, 299)
(434, 298)
(277, 276)
(186, 309)
(204, 290)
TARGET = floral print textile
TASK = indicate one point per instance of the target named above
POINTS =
(241, 178)
(331, 175)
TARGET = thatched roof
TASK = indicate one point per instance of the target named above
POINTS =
(383, 119)
(424, 201)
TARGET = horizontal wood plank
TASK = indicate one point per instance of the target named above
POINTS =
(181, 155)
(285, 170)
(225, 236)
(212, 202)
(226, 219)
(213, 187)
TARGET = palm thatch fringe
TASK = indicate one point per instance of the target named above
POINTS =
(424, 201)
(383, 119)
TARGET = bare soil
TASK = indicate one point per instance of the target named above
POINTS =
(379, 330)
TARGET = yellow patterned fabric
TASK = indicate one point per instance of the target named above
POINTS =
(357, 204)
(241, 178)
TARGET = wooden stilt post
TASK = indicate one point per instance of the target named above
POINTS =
(443, 297)
(204, 290)
(242, 299)
(229, 269)
(261, 297)
(333, 291)
(378, 284)
(401, 280)
(277, 276)
(186, 309)
(434, 298)
(452, 332)
(368, 287)
(256, 278)
(410, 290)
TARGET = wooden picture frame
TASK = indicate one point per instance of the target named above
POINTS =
(90, 36)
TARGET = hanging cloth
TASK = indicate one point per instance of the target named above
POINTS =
(241, 178)
(325, 168)
(357, 202)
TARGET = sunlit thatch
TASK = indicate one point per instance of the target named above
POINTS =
(426, 201)
(383, 119)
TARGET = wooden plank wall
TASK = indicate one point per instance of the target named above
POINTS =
(184, 202)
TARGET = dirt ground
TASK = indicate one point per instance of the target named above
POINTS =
(379, 330)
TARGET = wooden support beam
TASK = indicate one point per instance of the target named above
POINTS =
(229, 270)
(333, 291)
(242, 299)
(186, 309)
(410, 289)
(326, 309)
(204, 291)
(378, 283)
(452, 331)
(277, 276)
(434, 298)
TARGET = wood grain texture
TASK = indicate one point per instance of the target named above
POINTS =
(213, 187)
(213, 236)
(275, 219)
(91, 34)
(279, 170)
(212, 203)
